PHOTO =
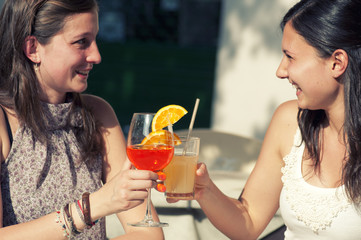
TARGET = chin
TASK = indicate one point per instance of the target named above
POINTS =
(80, 89)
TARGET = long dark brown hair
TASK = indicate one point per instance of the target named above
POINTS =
(19, 89)
(327, 26)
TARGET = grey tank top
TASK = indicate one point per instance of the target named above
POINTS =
(37, 179)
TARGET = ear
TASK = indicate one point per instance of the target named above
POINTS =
(30, 49)
(339, 61)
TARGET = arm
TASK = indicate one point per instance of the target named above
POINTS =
(115, 160)
(247, 217)
(122, 190)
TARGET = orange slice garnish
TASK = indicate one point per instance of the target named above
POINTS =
(161, 136)
(167, 115)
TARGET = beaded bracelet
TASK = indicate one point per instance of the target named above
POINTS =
(67, 224)
(60, 213)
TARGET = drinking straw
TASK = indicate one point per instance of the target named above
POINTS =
(170, 128)
(191, 124)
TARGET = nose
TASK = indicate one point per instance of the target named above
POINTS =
(93, 54)
(282, 69)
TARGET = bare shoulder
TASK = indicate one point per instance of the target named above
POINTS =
(96, 103)
(101, 109)
(284, 125)
(114, 141)
(286, 113)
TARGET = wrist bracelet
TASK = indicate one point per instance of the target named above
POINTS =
(70, 220)
(59, 214)
(86, 210)
(80, 211)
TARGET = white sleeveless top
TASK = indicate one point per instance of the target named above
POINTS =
(311, 212)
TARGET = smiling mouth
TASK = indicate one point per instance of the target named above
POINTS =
(296, 87)
(84, 73)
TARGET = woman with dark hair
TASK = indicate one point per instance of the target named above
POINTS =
(309, 166)
(63, 161)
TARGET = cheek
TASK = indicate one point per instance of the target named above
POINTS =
(307, 73)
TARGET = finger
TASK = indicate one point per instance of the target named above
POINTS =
(202, 169)
(143, 175)
(138, 195)
(171, 200)
(140, 184)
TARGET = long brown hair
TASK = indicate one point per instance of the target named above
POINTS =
(19, 89)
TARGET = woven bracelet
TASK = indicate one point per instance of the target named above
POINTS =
(80, 211)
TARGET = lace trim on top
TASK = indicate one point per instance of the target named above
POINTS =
(314, 206)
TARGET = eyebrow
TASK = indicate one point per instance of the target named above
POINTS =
(83, 35)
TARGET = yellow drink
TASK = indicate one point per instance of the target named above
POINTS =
(181, 176)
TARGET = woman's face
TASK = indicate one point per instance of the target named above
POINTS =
(65, 62)
(316, 88)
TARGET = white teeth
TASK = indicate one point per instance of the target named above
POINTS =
(84, 73)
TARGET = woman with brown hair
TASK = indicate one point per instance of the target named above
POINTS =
(63, 160)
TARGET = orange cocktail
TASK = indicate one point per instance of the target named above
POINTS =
(152, 158)
(149, 147)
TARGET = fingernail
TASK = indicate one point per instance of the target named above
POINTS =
(161, 187)
(161, 175)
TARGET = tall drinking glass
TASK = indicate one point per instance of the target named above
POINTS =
(145, 155)
(181, 171)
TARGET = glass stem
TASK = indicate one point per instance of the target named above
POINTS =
(148, 214)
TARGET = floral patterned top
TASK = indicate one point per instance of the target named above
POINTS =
(37, 179)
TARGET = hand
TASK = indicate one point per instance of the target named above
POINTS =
(129, 187)
(202, 182)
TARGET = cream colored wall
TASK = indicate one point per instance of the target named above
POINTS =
(247, 90)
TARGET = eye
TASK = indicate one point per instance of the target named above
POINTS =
(285, 52)
(82, 42)
(288, 56)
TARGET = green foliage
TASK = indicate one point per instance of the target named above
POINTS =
(145, 77)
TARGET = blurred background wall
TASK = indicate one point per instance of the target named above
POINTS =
(247, 90)
(225, 52)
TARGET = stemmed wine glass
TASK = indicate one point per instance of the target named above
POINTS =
(148, 155)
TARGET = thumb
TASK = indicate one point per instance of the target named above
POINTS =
(202, 169)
